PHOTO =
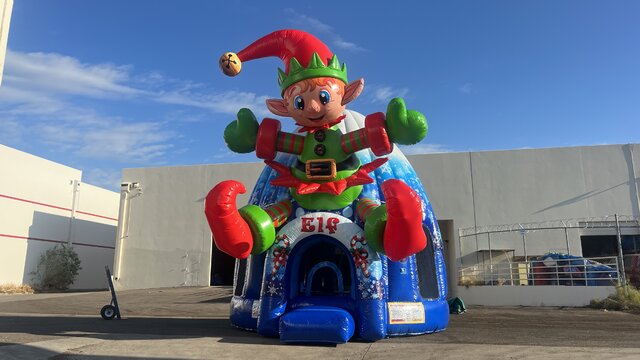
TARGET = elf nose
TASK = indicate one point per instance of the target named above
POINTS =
(314, 106)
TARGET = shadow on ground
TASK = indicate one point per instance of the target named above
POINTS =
(187, 313)
(223, 300)
(151, 328)
(24, 351)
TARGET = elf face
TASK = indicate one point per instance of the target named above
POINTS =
(317, 101)
(316, 105)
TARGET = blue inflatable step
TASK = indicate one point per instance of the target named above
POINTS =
(317, 324)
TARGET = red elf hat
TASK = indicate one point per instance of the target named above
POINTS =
(304, 57)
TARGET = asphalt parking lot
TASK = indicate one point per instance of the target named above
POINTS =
(192, 323)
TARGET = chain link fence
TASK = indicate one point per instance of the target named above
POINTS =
(597, 251)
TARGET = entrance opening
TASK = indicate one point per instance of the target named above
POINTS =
(449, 252)
(427, 272)
(321, 304)
(322, 267)
(324, 278)
(222, 267)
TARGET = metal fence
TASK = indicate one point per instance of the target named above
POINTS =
(602, 271)
(542, 253)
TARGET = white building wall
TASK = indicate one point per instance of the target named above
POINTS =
(36, 207)
(169, 243)
(534, 185)
(94, 233)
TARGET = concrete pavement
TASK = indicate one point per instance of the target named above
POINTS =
(192, 323)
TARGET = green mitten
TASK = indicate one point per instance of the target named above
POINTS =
(240, 135)
(406, 127)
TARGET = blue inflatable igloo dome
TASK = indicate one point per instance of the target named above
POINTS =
(326, 284)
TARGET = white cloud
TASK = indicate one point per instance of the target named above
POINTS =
(228, 102)
(223, 153)
(12, 131)
(139, 142)
(41, 83)
(105, 178)
(55, 73)
(466, 88)
(42, 93)
(91, 136)
(425, 149)
(382, 94)
(26, 101)
(303, 20)
(342, 44)
(317, 26)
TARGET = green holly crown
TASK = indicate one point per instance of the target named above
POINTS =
(316, 68)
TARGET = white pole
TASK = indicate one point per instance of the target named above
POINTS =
(123, 228)
(623, 276)
(72, 218)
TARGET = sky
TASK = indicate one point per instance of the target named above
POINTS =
(102, 86)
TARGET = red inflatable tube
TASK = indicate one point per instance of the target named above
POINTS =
(231, 233)
(377, 134)
(267, 139)
(403, 233)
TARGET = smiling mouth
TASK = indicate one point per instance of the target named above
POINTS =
(315, 118)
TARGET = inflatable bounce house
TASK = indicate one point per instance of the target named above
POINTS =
(339, 240)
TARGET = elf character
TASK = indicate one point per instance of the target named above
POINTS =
(327, 175)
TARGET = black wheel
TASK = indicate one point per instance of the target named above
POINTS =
(108, 312)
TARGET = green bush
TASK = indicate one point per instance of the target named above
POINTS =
(626, 298)
(57, 269)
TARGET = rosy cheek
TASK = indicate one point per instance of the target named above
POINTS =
(298, 118)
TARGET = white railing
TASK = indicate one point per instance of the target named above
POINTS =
(601, 271)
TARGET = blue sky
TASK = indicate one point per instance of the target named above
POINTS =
(102, 86)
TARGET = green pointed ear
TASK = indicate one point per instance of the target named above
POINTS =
(352, 91)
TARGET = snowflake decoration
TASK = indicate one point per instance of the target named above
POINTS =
(272, 290)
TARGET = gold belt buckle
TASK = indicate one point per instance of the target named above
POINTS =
(320, 169)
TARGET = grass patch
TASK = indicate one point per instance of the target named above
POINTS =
(626, 298)
(15, 289)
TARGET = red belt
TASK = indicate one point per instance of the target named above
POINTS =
(336, 187)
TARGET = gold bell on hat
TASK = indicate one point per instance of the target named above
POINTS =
(230, 64)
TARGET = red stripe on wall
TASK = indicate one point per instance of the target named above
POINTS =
(34, 202)
(56, 207)
(96, 215)
(55, 241)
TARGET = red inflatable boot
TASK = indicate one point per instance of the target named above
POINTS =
(403, 233)
(231, 233)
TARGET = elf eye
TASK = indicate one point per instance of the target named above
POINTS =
(298, 103)
(324, 97)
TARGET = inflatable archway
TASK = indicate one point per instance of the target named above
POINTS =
(377, 298)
